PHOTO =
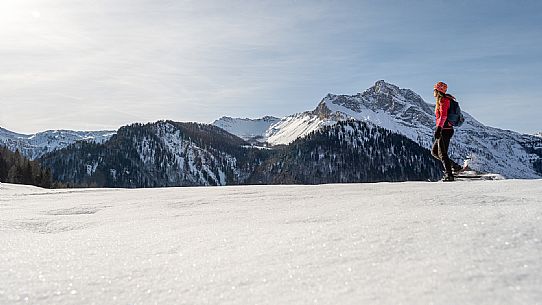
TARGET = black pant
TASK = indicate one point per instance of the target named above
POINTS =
(440, 150)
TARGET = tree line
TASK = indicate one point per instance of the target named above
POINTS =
(17, 169)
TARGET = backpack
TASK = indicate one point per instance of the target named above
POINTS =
(455, 117)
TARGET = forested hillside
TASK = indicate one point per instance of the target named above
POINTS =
(14, 168)
(349, 151)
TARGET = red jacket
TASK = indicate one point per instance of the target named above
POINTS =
(442, 113)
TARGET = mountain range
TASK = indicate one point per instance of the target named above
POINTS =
(164, 153)
(36, 145)
(168, 153)
(273, 150)
(485, 148)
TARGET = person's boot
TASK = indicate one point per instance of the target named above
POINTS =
(458, 169)
(448, 177)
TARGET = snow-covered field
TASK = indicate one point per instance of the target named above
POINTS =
(477, 242)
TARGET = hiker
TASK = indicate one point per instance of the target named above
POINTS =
(443, 131)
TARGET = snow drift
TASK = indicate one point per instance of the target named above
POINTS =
(401, 243)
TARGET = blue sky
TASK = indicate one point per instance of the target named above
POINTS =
(77, 64)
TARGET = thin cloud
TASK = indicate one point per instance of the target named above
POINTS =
(109, 63)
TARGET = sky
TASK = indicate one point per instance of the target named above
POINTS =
(101, 64)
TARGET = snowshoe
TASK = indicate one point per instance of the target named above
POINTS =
(475, 175)
(457, 170)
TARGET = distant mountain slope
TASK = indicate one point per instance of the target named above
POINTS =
(349, 151)
(164, 153)
(403, 111)
(36, 145)
(252, 130)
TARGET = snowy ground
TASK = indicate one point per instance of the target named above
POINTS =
(402, 243)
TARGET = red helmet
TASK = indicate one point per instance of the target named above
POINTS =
(442, 87)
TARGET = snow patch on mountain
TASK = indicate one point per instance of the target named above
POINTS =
(197, 164)
(36, 145)
(295, 126)
(252, 130)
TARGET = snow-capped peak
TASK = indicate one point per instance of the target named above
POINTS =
(384, 104)
(382, 96)
(252, 130)
(382, 86)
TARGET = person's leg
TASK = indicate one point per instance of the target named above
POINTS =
(455, 167)
(443, 144)
(434, 150)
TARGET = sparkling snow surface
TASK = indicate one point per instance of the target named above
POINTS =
(476, 242)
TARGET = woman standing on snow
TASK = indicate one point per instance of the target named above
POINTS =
(444, 131)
